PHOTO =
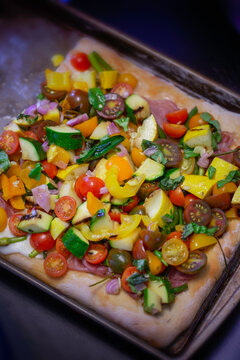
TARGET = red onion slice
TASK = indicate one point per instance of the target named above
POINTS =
(42, 197)
(150, 151)
(112, 129)
(123, 151)
(77, 120)
(31, 110)
(45, 146)
(103, 190)
(113, 287)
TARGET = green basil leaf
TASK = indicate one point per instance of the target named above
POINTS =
(197, 229)
(141, 264)
(211, 171)
(189, 153)
(4, 162)
(36, 172)
(158, 155)
(137, 279)
(166, 183)
(96, 98)
(40, 96)
(233, 175)
(159, 255)
(216, 136)
(180, 288)
(123, 122)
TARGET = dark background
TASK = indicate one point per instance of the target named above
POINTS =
(203, 35)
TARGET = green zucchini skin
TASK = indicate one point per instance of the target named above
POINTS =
(65, 139)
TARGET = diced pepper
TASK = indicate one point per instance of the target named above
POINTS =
(16, 186)
(88, 126)
(108, 79)
(53, 115)
(58, 156)
(17, 202)
(233, 213)
(128, 224)
(198, 185)
(84, 80)
(58, 81)
(81, 85)
(94, 204)
(5, 187)
(236, 196)
(222, 168)
(199, 241)
(57, 59)
(14, 170)
(28, 182)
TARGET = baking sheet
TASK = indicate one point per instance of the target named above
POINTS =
(21, 71)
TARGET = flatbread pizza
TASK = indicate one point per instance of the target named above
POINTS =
(121, 191)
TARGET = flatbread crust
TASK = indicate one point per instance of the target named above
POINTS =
(162, 330)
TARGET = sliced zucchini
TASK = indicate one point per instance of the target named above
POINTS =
(151, 302)
(162, 288)
(151, 169)
(137, 108)
(57, 227)
(75, 242)
(82, 213)
(127, 242)
(101, 222)
(148, 131)
(64, 136)
(120, 202)
(100, 131)
(32, 149)
(67, 189)
(35, 222)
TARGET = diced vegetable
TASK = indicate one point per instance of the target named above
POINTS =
(222, 168)
(137, 108)
(58, 156)
(65, 137)
(197, 185)
(75, 242)
(126, 242)
(31, 149)
(57, 227)
(199, 136)
(58, 81)
(158, 205)
(108, 79)
(72, 172)
(150, 169)
(35, 222)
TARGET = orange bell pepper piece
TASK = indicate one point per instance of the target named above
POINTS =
(87, 127)
(14, 170)
(17, 202)
(6, 188)
(93, 203)
(137, 156)
(16, 186)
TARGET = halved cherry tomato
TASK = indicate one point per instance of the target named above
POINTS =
(42, 241)
(129, 79)
(188, 198)
(152, 240)
(13, 224)
(130, 270)
(115, 216)
(84, 184)
(61, 248)
(155, 264)
(175, 235)
(174, 131)
(96, 253)
(29, 134)
(137, 156)
(176, 196)
(55, 265)
(133, 202)
(196, 120)
(9, 142)
(170, 151)
(50, 169)
(230, 187)
(122, 89)
(196, 261)
(65, 208)
(174, 252)
(177, 117)
(3, 219)
(219, 220)
(80, 61)
(197, 211)
(125, 170)
(114, 106)
(139, 251)
(221, 201)
(146, 189)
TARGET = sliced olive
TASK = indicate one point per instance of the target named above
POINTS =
(196, 261)
(51, 94)
(78, 100)
(236, 158)
(221, 201)
(152, 240)
(140, 209)
(171, 152)
(197, 211)
(114, 106)
(219, 219)
(119, 260)
(146, 189)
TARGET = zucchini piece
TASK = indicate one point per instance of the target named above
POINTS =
(35, 222)
(137, 108)
(75, 242)
(32, 149)
(72, 172)
(101, 170)
(101, 222)
(174, 173)
(151, 302)
(163, 289)
(199, 136)
(64, 136)
(148, 131)
(150, 169)
(57, 227)
(100, 131)
(127, 242)
(82, 213)
(119, 202)
(67, 189)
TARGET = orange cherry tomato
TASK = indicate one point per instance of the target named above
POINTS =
(128, 79)
(61, 248)
(176, 196)
(230, 187)
(13, 224)
(96, 253)
(133, 202)
(196, 120)
(3, 219)
(50, 169)
(137, 156)
(177, 117)
(65, 208)
(139, 251)
(174, 130)
(55, 265)
(188, 198)
(126, 274)
(9, 142)
(125, 170)
(174, 252)
(155, 264)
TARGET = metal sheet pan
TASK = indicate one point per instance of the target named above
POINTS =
(47, 33)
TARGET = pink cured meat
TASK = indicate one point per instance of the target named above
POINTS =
(82, 265)
(8, 207)
(225, 145)
(177, 278)
(159, 108)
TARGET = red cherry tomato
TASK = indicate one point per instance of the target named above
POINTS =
(61, 248)
(80, 61)
(9, 142)
(84, 184)
(42, 241)
(13, 224)
(197, 211)
(96, 253)
(188, 198)
(176, 196)
(139, 251)
(29, 134)
(65, 208)
(175, 234)
(115, 216)
(177, 117)
(122, 89)
(133, 202)
(128, 272)
(174, 130)
(50, 169)
(55, 265)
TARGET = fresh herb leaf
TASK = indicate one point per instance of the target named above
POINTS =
(170, 221)
(189, 153)
(158, 155)
(123, 122)
(141, 264)
(166, 183)
(4, 162)
(233, 175)
(216, 136)
(197, 229)
(40, 96)
(211, 171)
(136, 279)
(180, 288)
(161, 133)
(193, 112)
(159, 255)
(36, 172)
(101, 281)
(96, 98)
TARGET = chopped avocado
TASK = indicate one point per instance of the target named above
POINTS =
(75, 242)
(82, 213)
(163, 289)
(151, 302)
(137, 108)
(57, 227)
(126, 242)
(150, 169)
(64, 136)
(199, 136)
(101, 222)
(32, 149)
(35, 222)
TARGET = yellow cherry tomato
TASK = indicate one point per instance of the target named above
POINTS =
(137, 156)
(199, 241)
(128, 79)
(174, 251)
(227, 188)
(125, 170)
(3, 219)
(154, 263)
(196, 120)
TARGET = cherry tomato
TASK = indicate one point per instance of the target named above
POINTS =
(152, 240)
(9, 142)
(140, 210)
(126, 274)
(29, 134)
(13, 224)
(55, 265)
(199, 241)
(230, 187)
(125, 170)
(177, 117)
(114, 106)
(119, 260)
(219, 220)
(96, 253)
(129, 79)
(122, 89)
(174, 130)
(78, 100)
(188, 198)
(84, 184)
(196, 120)
(221, 201)
(42, 241)
(176, 196)
(196, 261)
(197, 211)
(147, 189)
(171, 152)
(174, 252)
(155, 264)
(139, 251)
(61, 248)
(137, 156)
(50, 169)
(175, 235)
(65, 208)
(51, 94)
(3, 219)
(115, 216)
(80, 61)
(131, 205)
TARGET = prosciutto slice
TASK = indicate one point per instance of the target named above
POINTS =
(82, 265)
(177, 278)
(8, 207)
(159, 109)
(225, 145)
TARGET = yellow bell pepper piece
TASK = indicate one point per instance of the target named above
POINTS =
(151, 225)
(199, 241)
(222, 168)
(58, 81)
(53, 115)
(236, 196)
(14, 170)
(72, 172)
(198, 185)
(28, 182)
(87, 127)
(81, 85)
(89, 235)
(108, 78)
(94, 204)
(84, 80)
(128, 224)
(16, 186)
(57, 59)
(100, 169)
(58, 156)
(17, 202)
(128, 190)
